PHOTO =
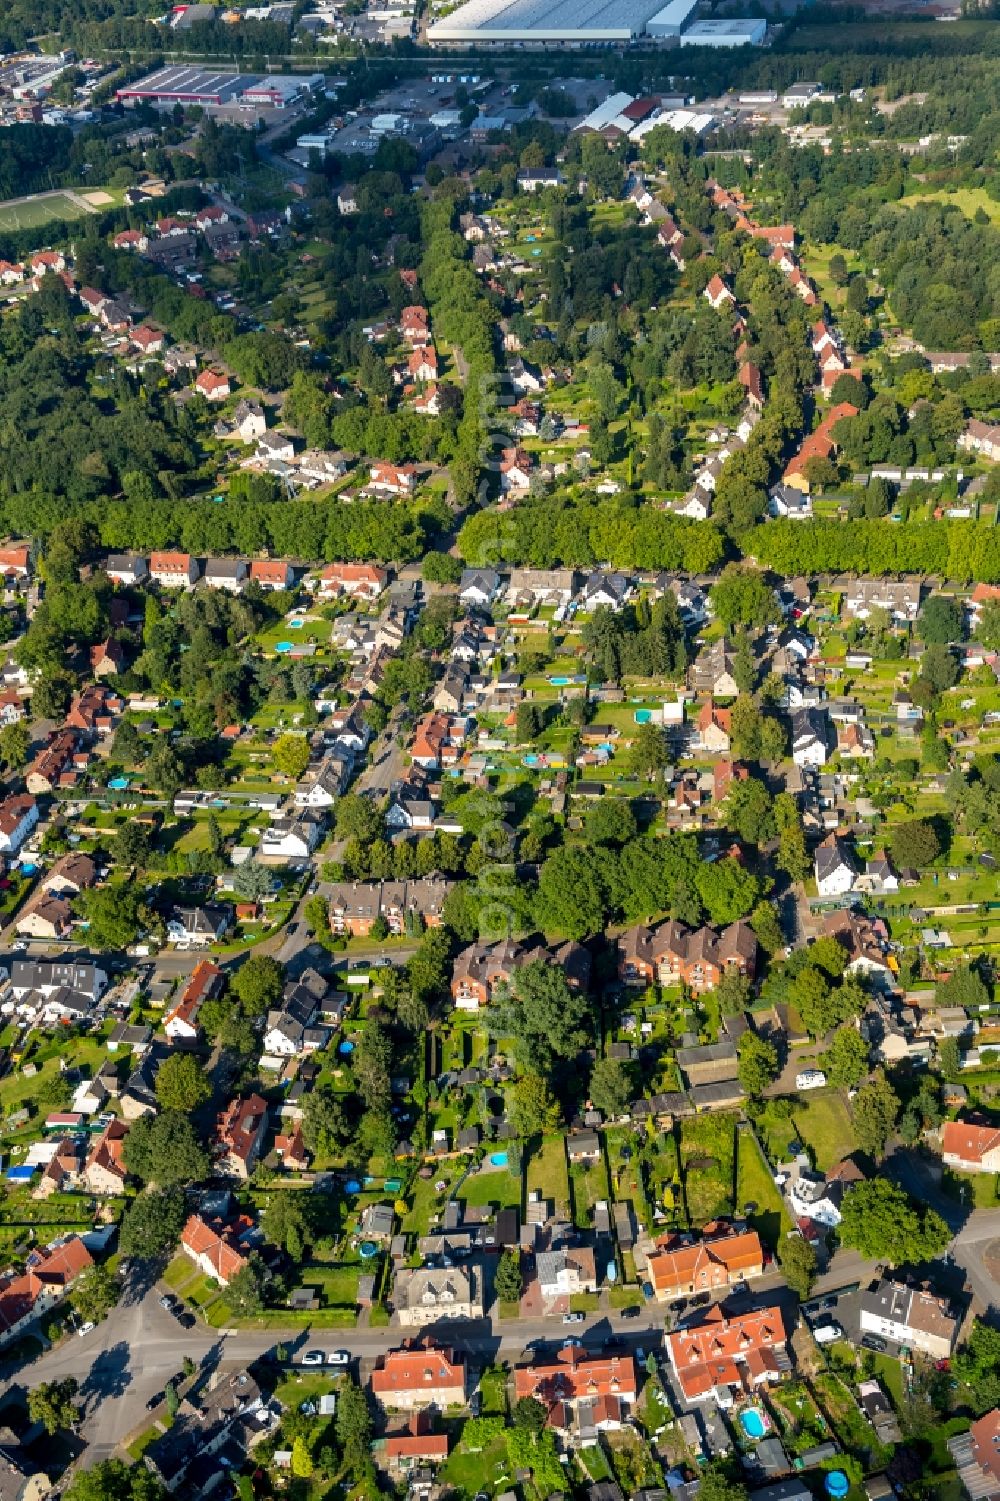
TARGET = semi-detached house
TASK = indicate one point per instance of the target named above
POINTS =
(173, 570)
(683, 1266)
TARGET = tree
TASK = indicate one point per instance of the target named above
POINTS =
(507, 1279)
(95, 1293)
(977, 1366)
(949, 1056)
(115, 915)
(758, 1063)
(988, 629)
(750, 810)
(939, 669)
(14, 742)
(112, 1480)
(742, 596)
(529, 1413)
(130, 845)
(734, 992)
(291, 755)
(717, 1484)
(611, 821)
(353, 1423)
(965, 987)
(152, 1224)
(798, 1263)
(728, 890)
(846, 1060)
(258, 984)
(941, 621)
(649, 753)
(286, 1222)
(611, 1087)
(882, 1222)
(359, 818)
(182, 1084)
(546, 1019)
(163, 1149)
(52, 1404)
(245, 1292)
(527, 722)
(571, 889)
(534, 1109)
(914, 843)
(875, 1112)
(302, 1461)
(441, 568)
(252, 881)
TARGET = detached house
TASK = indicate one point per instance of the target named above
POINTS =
(105, 1171)
(127, 569)
(239, 1136)
(272, 573)
(357, 580)
(834, 867)
(393, 479)
(910, 1316)
(18, 816)
(419, 1377)
(213, 385)
(971, 1147)
(717, 294)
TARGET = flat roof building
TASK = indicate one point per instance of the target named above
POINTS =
(669, 21)
(725, 33)
(211, 87)
(537, 22)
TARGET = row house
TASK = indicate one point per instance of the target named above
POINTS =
(982, 438)
(404, 905)
(910, 1316)
(820, 444)
(479, 969)
(580, 1391)
(365, 581)
(672, 954)
(173, 570)
(901, 597)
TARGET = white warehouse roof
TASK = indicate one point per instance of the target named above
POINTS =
(605, 113)
(724, 33)
(669, 20)
(545, 21)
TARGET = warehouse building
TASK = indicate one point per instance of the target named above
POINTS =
(211, 88)
(530, 23)
(670, 21)
(725, 33)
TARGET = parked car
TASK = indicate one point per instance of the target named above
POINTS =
(630, 1313)
(86, 1328)
(339, 1357)
(167, 1302)
(810, 1078)
(185, 1319)
(312, 1357)
(154, 1401)
(573, 1318)
(873, 1342)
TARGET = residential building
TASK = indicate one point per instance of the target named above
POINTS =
(717, 294)
(107, 658)
(127, 569)
(49, 976)
(567, 1271)
(977, 1455)
(809, 737)
(173, 570)
(480, 968)
(198, 927)
(272, 573)
(294, 837)
(428, 1295)
(212, 1247)
(393, 479)
(239, 1136)
(683, 1266)
(901, 597)
(211, 1432)
(18, 816)
(834, 865)
(230, 574)
(181, 1021)
(910, 1316)
(971, 1147)
(105, 1170)
(478, 588)
(418, 1377)
(579, 1389)
(213, 385)
(405, 905)
(722, 1357)
(672, 954)
(357, 580)
(49, 1274)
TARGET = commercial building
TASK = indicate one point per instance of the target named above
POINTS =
(669, 22)
(529, 23)
(725, 33)
(212, 88)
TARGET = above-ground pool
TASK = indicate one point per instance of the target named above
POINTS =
(118, 784)
(837, 1484)
(393, 1185)
(643, 716)
(498, 1159)
(353, 1186)
(753, 1422)
(28, 867)
(346, 1049)
(282, 646)
(368, 1249)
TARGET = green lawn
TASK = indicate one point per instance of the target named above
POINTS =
(469, 1471)
(545, 1170)
(501, 1189)
(42, 211)
(589, 1185)
(824, 1124)
(708, 1144)
(754, 1184)
(967, 199)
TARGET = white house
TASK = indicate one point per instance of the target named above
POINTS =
(197, 927)
(18, 816)
(809, 738)
(292, 838)
(834, 867)
(479, 587)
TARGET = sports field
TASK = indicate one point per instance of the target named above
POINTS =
(34, 213)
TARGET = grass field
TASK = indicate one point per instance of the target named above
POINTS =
(967, 199)
(755, 1185)
(39, 212)
(546, 1171)
(824, 1124)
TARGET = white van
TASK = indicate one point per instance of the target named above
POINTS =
(810, 1078)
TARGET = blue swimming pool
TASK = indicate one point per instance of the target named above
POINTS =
(282, 646)
(498, 1159)
(753, 1422)
(643, 716)
(28, 867)
(118, 784)
(296, 625)
(368, 1249)
(558, 682)
(353, 1186)
(346, 1049)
